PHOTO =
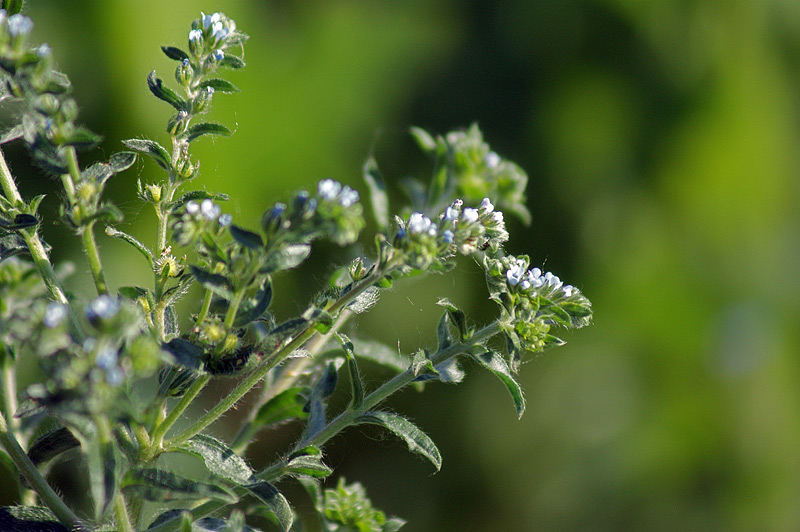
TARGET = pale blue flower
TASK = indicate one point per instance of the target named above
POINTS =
(209, 210)
(102, 307)
(195, 36)
(348, 197)
(54, 314)
(469, 215)
(19, 25)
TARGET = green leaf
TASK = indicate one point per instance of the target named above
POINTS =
(494, 362)
(380, 354)
(457, 318)
(417, 441)
(307, 462)
(287, 405)
(246, 238)
(365, 300)
(424, 139)
(82, 138)
(275, 503)
(21, 221)
(316, 403)
(121, 161)
(174, 53)
(153, 149)
(103, 472)
(52, 444)
(443, 332)
(185, 353)
(286, 257)
(231, 61)
(220, 85)
(12, 134)
(197, 195)
(255, 307)
(156, 86)
(12, 245)
(29, 519)
(215, 282)
(377, 192)
(173, 381)
(141, 248)
(421, 364)
(284, 332)
(206, 128)
(161, 486)
(220, 459)
(356, 386)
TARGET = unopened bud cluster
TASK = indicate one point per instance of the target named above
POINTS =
(210, 37)
(334, 212)
(196, 219)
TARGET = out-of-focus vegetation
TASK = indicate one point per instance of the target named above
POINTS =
(663, 143)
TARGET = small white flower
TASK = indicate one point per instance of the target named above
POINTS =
(195, 36)
(450, 214)
(533, 278)
(115, 376)
(43, 50)
(209, 210)
(328, 189)
(209, 20)
(492, 160)
(103, 306)
(219, 55)
(192, 207)
(54, 314)
(552, 280)
(568, 290)
(418, 224)
(348, 197)
(220, 32)
(486, 206)
(497, 217)
(469, 215)
(19, 25)
(106, 358)
(516, 272)
(225, 220)
(448, 236)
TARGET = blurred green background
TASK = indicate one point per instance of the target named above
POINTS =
(661, 138)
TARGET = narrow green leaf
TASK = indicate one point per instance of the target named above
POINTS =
(307, 462)
(424, 139)
(457, 318)
(213, 281)
(162, 486)
(421, 364)
(365, 300)
(156, 86)
(443, 332)
(287, 257)
(141, 248)
(380, 354)
(417, 441)
(255, 307)
(220, 85)
(12, 245)
(174, 53)
(494, 362)
(246, 238)
(52, 444)
(356, 386)
(153, 149)
(196, 195)
(231, 61)
(287, 405)
(220, 459)
(275, 503)
(12, 134)
(173, 381)
(185, 353)
(377, 192)
(206, 128)
(21, 221)
(121, 161)
(284, 332)
(29, 519)
(316, 403)
(83, 139)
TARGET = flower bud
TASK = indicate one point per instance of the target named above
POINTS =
(203, 100)
(185, 169)
(196, 42)
(153, 193)
(184, 73)
(177, 124)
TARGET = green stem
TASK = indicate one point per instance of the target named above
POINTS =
(348, 417)
(175, 413)
(254, 378)
(121, 513)
(93, 257)
(49, 497)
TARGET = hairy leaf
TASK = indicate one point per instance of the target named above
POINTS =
(174, 53)
(138, 246)
(380, 354)
(246, 238)
(287, 257)
(275, 502)
(356, 386)
(29, 519)
(151, 148)
(307, 463)
(220, 85)
(417, 441)
(494, 362)
(52, 444)
(256, 306)
(156, 86)
(162, 486)
(284, 406)
(220, 459)
(206, 128)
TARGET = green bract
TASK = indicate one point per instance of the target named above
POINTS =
(121, 367)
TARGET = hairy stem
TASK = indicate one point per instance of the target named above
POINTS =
(49, 497)
(93, 257)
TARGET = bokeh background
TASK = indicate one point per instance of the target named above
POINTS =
(661, 139)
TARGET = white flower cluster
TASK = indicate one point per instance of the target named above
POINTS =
(533, 279)
(331, 190)
(419, 224)
(17, 25)
(215, 25)
(470, 229)
(208, 210)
